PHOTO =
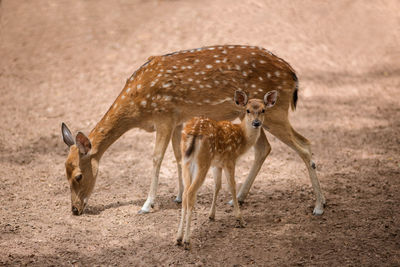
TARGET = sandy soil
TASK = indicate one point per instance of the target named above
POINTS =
(68, 60)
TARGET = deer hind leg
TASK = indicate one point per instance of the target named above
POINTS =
(229, 171)
(262, 148)
(301, 145)
(199, 170)
(163, 135)
(217, 173)
(176, 139)
(187, 181)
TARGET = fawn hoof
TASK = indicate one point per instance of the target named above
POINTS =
(179, 242)
(178, 200)
(186, 245)
(240, 223)
(211, 218)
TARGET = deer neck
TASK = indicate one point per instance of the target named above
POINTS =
(111, 127)
(250, 134)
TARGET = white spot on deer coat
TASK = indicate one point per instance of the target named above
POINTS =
(143, 103)
(167, 98)
(168, 84)
(208, 66)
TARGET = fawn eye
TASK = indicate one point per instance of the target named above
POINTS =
(262, 111)
(78, 177)
(248, 111)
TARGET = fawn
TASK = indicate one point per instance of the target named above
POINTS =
(206, 143)
(169, 90)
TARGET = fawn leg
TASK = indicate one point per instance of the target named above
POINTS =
(229, 171)
(217, 173)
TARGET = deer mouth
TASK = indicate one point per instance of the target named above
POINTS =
(76, 211)
(256, 124)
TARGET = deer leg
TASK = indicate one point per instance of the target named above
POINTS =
(262, 148)
(187, 179)
(217, 172)
(198, 174)
(163, 135)
(229, 171)
(301, 145)
(176, 140)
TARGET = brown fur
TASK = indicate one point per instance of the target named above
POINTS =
(220, 146)
(168, 90)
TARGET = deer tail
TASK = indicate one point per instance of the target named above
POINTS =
(295, 93)
(189, 151)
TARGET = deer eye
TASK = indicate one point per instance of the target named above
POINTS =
(78, 177)
(262, 111)
(248, 111)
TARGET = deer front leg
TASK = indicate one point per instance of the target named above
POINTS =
(163, 135)
(176, 139)
(262, 148)
(229, 170)
(217, 172)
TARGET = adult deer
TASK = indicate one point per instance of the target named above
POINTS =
(207, 143)
(168, 90)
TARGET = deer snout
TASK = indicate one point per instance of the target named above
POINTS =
(256, 123)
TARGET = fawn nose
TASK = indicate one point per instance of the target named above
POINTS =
(256, 123)
(75, 211)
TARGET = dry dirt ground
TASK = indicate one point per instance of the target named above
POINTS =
(68, 60)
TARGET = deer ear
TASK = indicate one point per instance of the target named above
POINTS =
(83, 143)
(66, 134)
(270, 98)
(240, 98)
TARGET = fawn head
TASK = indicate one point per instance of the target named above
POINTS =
(255, 108)
(81, 168)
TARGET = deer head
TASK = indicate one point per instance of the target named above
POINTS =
(81, 167)
(255, 108)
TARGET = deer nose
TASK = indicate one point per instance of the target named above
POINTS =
(256, 123)
(75, 211)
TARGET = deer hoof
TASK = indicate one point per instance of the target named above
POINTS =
(240, 223)
(318, 211)
(142, 211)
(186, 245)
(179, 242)
(241, 202)
(178, 200)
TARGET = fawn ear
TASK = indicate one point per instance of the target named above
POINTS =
(66, 134)
(270, 98)
(83, 143)
(240, 98)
